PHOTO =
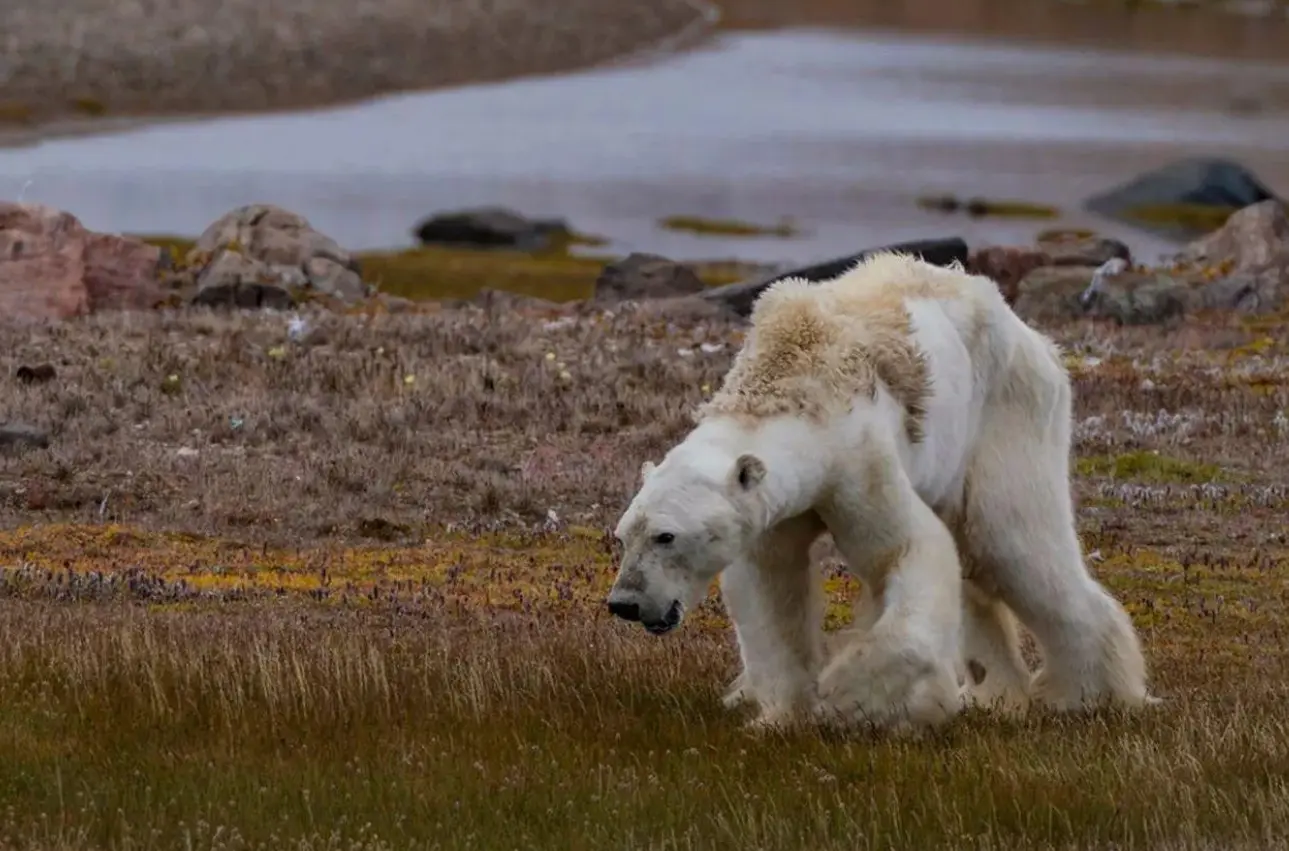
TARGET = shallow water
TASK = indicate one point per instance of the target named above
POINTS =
(840, 131)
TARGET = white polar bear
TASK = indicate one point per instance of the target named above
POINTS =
(907, 410)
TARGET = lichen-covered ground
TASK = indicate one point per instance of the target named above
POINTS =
(346, 592)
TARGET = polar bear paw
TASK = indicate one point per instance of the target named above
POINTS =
(895, 689)
(738, 694)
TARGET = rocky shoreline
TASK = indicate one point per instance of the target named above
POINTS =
(68, 63)
(260, 256)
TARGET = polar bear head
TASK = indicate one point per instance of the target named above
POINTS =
(694, 515)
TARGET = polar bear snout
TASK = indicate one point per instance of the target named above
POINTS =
(630, 606)
(626, 611)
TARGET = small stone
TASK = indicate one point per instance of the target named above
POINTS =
(1007, 266)
(22, 436)
(327, 276)
(641, 276)
(1080, 250)
(233, 280)
(36, 374)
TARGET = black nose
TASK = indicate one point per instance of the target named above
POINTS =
(626, 611)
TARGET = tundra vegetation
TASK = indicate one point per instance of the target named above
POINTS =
(344, 589)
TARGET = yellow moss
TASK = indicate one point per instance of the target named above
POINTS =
(15, 113)
(88, 106)
(497, 571)
(445, 273)
(726, 227)
(1011, 209)
(987, 207)
(1147, 466)
(1197, 217)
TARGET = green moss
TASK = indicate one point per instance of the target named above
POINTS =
(430, 273)
(88, 106)
(1197, 217)
(977, 207)
(1147, 466)
(178, 246)
(726, 227)
(1011, 209)
(434, 273)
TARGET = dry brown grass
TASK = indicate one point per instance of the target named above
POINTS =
(347, 620)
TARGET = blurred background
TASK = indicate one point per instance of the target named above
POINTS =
(772, 132)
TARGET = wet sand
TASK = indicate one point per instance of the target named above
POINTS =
(840, 131)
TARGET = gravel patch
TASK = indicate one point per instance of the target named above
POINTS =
(150, 57)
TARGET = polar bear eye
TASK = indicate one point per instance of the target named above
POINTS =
(664, 537)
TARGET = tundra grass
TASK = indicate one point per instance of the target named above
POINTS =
(305, 603)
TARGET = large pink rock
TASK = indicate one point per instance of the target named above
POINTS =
(121, 273)
(42, 263)
(51, 267)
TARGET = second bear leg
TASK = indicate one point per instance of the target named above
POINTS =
(775, 600)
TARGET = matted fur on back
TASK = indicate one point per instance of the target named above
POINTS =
(815, 347)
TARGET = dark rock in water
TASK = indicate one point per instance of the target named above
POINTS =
(1181, 188)
(490, 227)
(641, 276)
(36, 374)
(740, 297)
(22, 436)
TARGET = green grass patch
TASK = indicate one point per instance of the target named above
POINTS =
(430, 273)
(726, 227)
(1193, 217)
(981, 207)
(1147, 466)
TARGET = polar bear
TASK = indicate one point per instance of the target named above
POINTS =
(907, 410)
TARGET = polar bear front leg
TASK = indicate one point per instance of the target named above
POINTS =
(775, 601)
(903, 671)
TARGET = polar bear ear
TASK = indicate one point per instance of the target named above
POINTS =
(748, 471)
(646, 469)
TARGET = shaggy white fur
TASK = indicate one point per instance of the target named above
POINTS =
(905, 409)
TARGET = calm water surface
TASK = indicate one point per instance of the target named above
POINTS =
(840, 131)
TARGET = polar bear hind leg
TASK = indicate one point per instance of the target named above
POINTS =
(996, 674)
(1020, 537)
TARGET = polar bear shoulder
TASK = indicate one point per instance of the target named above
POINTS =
(815, 347)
